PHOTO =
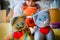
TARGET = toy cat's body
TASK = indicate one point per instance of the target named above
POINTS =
(20, 31)
(43, 30)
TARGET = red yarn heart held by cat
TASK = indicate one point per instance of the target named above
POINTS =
(18, 34)
(45, 30)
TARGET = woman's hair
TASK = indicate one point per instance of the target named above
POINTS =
(33, 0)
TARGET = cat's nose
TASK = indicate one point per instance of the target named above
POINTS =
(20, 27)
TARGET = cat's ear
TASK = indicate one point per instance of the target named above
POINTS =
(23, 16)
(47, 11)
(12, 20)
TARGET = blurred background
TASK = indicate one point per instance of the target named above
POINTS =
(52, 5)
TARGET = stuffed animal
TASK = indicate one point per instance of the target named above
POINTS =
(19, 31)
(43, 30)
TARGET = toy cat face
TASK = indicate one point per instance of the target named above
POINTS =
(42, 19)
(19, 23)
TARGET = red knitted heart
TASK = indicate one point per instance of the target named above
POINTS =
(18, 34)
(45, 30)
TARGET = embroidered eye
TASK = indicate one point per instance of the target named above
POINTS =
(17, 24)
(39, 19)
(44, 17)
(22, 23)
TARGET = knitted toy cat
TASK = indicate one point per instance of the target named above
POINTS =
(19, 31)
(43, 30)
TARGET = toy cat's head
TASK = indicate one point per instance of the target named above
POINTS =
(42, 18)
(18, 23)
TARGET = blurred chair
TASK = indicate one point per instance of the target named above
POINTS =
(2, 16)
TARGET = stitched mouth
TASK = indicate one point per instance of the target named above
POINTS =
(20, 28)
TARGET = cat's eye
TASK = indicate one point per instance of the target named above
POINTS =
(17, 24)
(39, 19)
(44, 17)
(22, 23)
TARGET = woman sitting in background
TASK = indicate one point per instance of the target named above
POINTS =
(16, 9)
